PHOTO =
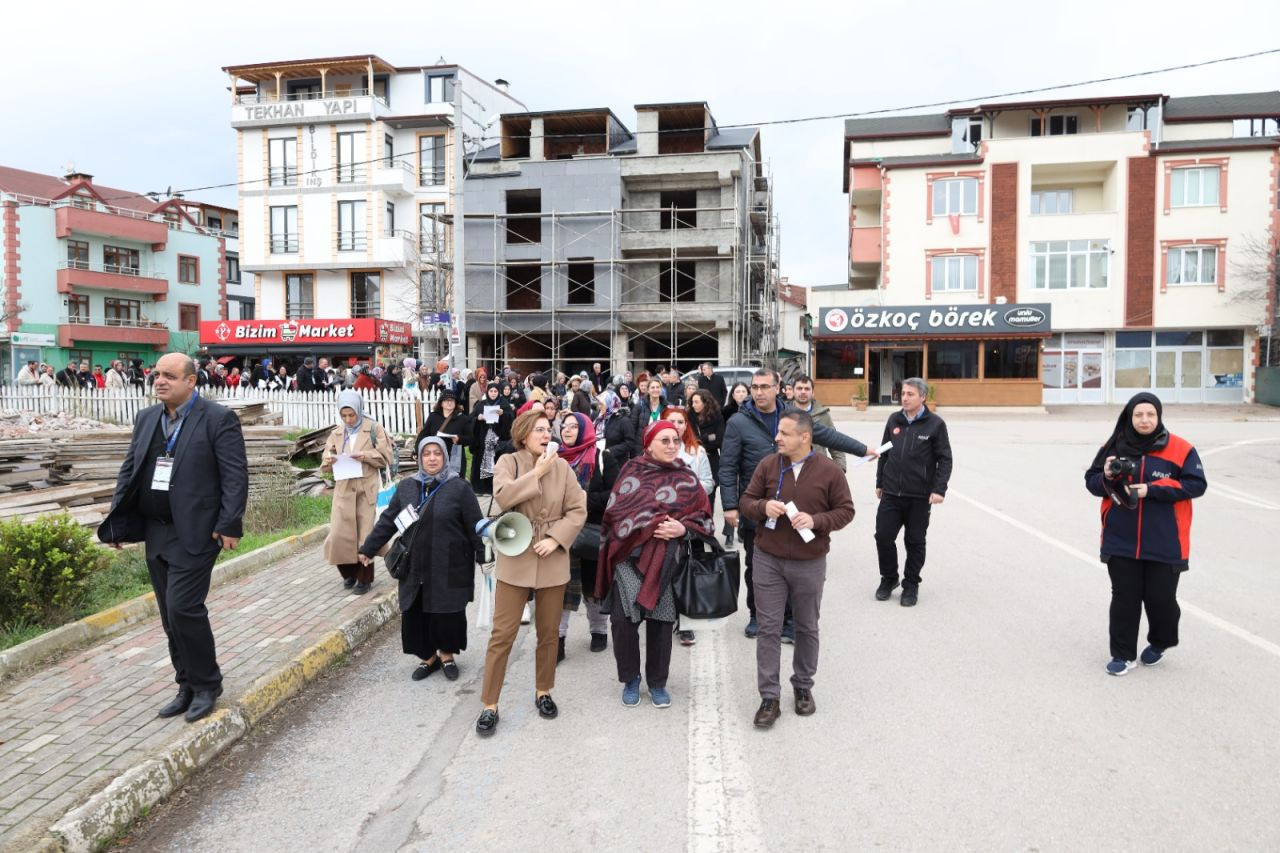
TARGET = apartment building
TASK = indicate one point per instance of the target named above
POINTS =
(223, 222)
(96, 273)
(349, 171)
(1058, 251)
(588, 241)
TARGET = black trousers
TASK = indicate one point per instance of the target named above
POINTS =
(1139, 583)
(657, 649)
(181, 584)
(894, 513)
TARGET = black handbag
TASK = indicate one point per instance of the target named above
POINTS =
(587, 545)
(397, 559)
(707, 580)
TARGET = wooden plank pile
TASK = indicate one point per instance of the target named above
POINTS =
(253, 413)
(24, 463)
(87, 503)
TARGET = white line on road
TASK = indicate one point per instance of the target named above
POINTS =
(1216, 487)
(1092, 561)
(1212, 450)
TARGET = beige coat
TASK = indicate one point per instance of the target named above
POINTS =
(556, 505)
(354, 501)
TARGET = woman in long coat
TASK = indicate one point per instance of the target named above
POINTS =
(355, 500)
(542, 487)
(441, 575)
(450, 421)
(487, 437)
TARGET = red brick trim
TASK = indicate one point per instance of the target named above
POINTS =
(222, 278)
(930, 177)
(1140, 239)
(1219, 243)
(1220, 162)
(1004, 231)
(930, 254)
(12, 267)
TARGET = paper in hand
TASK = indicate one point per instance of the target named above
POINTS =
(347, 468)
(882, 449)
(792, 511)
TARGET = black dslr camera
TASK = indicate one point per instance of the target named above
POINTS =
(1123, 466)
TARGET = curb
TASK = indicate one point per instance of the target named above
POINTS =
(113, 620)
(93, 823)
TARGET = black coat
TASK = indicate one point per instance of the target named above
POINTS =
(581, 402)
(620, 437)
(711, 436)
(920, 462)
(456, 424)
(479, 428)
(391, 379)
(640, 420)
(445, 547)
(600, 486)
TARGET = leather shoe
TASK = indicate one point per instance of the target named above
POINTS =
(422, 670)
(487, 723)
(599, 642)
(804, 702)
(908, 596)
(179, 704)
(348, 583)
(885, 589)
(450, 670)
(546, 707)
(202, 704)
(361, 589)
(768, 714)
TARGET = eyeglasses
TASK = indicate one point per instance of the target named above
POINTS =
(667, 441)
(763, 387)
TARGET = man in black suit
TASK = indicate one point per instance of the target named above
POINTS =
(709, 380)
(182, 490)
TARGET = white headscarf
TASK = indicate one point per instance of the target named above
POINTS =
(351, 400)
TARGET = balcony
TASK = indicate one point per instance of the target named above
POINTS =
(72, 274)
(864, 245)
(74, 330)
(119, 224)
(394, 177)
(266, 110)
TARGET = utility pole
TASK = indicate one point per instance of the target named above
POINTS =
(458, 351)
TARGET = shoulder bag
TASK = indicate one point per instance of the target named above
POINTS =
(707, 579)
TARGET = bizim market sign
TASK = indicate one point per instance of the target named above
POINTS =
(927, 320)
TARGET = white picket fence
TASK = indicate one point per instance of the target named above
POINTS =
(400, 412)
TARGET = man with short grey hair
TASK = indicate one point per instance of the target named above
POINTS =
(911, 479)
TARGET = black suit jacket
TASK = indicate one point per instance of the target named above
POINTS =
(209, 486)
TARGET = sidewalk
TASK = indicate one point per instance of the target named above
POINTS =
(69, 729)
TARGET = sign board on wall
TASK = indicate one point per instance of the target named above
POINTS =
(365, 330)
(934, 320)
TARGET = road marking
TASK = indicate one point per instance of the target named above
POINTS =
(1216, 487)
(1092, 561)
(1211, 451)
(722, 813)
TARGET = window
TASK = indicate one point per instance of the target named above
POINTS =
(366, 294)
(284, 229)
(77, 254)
(391, 219)
(76, 356)
(1051, 202)
(954, 272)
(582, 281)
(966, 134)
(122, 312)
(188, 317)
(840, 360)
(128, 357)
(953, 360)
(188, 269)
(439, 88)
(1178, 339)
(1058, 126)
(524, 222)
(1226, 338)
(431, 228)
(282, 161)
(677, 282)
(958, 195)
(379, 87)
(1193, 265)
(77, 308)
(299, 303)
(430, 161)
(351, 233)
(350, 152)
(1244, 127)
(239, 309)
(1133, 368)
(1070, 264)
(1011, 359)
(302, 90)
(84, 200)
(389, 149)
(233, 269)
(1194, 187)
(429, 290)
(524, 288)
(214, 222)
(678, 209)
(118, 259)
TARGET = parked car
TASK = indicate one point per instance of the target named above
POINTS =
(731, 376)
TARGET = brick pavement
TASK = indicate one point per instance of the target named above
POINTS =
(68, 729)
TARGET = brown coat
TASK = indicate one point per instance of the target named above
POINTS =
(354, 501)
(822, 491)
(556, 505)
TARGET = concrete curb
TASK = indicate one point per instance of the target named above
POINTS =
(113, 620)
(92, 824)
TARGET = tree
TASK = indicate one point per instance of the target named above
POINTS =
(1257, 264)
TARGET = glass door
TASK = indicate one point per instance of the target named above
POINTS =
(1180, 375)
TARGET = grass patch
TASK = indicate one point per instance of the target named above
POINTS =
(307, 463)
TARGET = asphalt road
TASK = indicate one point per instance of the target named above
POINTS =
(982, 719)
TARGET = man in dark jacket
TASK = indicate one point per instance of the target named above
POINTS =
(673, 388)
(709, 380)
(307, 375)
(391, 379)
(749, 437)
(910, 479)
(599, 378)
(68, 377)
(804, 401)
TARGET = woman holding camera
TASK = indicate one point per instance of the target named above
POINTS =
(437, 578)
(1147, 478)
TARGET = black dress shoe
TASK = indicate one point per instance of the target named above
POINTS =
(885, 589)
(424, 669)
(348, 583)
(560, 651)
(487, 723)
(179, 704)
(361, 588)
(599, 642)
(804, 702)
(546, 707)
(768, 714)
(202, 704)
(450, 670)
(908, 596)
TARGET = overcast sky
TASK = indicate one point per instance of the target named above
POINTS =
(137, 97)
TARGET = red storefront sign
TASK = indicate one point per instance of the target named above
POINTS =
(365, 330)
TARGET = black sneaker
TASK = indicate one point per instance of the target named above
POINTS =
(546, 707)
(686, 638)
(885, 589)
(599, 642)
(487, 723)
(908, 596)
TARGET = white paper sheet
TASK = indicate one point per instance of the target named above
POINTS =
(792, 510)
(492, 414)
(347, 468)
(882, 449)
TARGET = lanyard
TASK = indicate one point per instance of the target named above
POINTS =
(426, 497)
(777, 495)
(172, 441)
(348, 434)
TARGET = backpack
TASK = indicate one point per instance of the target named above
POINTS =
(394, 467)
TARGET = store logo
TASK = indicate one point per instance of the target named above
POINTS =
(223, 331)
(288, 331)
(836, 320)
(1024, 318)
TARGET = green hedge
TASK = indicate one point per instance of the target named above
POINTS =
(45, 567)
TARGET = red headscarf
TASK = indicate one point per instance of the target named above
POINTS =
(582, 455)
(526, 407)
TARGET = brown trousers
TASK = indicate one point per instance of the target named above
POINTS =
(508, 604)
(362, 573)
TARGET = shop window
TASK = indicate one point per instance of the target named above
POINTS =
(840, 361)
(1128, 340)
(1226, 338)
(1179, 339)
(953, 360)
(1133, 368)
(1011, 359)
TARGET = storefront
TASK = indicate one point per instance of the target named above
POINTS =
(1181, 366)
(977, 355)
(21, 347)
(1073, 368)
(290, 341)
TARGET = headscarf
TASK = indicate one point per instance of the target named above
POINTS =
(351, 400)
(656, 427)
(526, 407)
(611, 404)
(1127, 441)
(411, 364)
(539, 380)
(430, 481)
(582, 455)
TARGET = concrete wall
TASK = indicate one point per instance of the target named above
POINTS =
(1268, 386)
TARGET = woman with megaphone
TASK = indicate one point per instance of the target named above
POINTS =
(535, 482)
(437, 511)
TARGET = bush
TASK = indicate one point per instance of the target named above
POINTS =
(45, 567)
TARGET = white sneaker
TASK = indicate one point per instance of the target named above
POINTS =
(527, 616)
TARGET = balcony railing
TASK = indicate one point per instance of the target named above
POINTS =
(299, 310)
(352, 241)
(114, 269)
(350, 173)
(431, 176)
(282, 176)
(284, 245)
(270, 98)
(365, 308)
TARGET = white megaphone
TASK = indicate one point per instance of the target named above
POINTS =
(509, 534)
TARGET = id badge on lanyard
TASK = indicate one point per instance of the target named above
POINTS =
(164, 471)
(407, 516)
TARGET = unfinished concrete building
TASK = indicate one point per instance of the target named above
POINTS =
(586, 241)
